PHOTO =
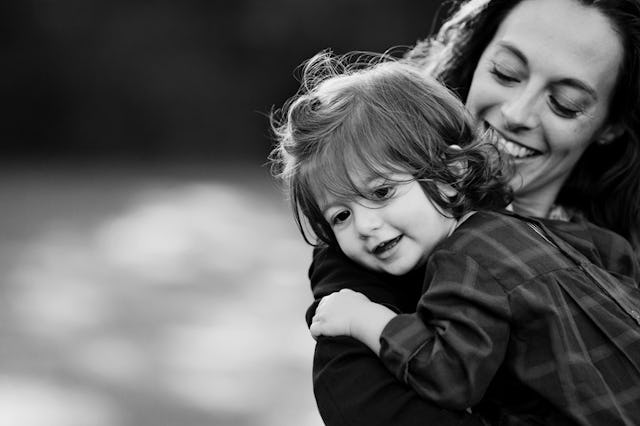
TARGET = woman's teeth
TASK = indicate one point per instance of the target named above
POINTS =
(513, 149)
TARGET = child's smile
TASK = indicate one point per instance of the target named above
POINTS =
(393, 230)
(384, 249)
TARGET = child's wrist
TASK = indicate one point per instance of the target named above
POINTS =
(368, 326)
(383, 316)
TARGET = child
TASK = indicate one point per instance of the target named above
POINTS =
(385, 164)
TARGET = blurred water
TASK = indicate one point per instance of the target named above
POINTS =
(160, 296)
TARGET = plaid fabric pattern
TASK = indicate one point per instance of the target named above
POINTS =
(504, 296)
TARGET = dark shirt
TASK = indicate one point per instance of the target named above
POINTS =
(501, 292)
(353, 387)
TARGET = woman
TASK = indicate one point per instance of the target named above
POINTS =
(556, 85)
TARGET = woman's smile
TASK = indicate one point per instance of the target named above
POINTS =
(515, 150)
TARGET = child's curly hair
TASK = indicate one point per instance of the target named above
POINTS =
(376, 115)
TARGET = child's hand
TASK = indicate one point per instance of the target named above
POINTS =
(336, 313)
(349, 313)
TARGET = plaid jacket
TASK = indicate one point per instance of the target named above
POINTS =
(536, 326)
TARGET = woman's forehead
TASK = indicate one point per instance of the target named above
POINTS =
(564, 40)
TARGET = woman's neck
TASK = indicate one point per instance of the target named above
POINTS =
(536, 202)
(531, 208)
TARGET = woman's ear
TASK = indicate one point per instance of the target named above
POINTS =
(609, 134)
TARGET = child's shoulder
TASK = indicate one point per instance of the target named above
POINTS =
(505, 245)
(601, 246)
(493, 228)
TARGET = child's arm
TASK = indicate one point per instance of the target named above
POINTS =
(450, 349)
(350, 384)
(349, 313)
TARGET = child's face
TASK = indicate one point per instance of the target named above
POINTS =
(394, 233)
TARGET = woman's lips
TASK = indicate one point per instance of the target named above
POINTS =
(514, 149)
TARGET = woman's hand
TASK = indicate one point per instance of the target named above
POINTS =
(349, 313)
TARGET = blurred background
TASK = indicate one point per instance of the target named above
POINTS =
(151, 272)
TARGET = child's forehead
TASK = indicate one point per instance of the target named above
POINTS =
(368, 176)
(362, 178)
(329, 188)
(358, 183)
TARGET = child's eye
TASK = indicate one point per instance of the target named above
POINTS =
(340, 217)
(383, 192)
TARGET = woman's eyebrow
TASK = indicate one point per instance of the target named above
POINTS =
(573, 82)
(514, 51)
(580, 85)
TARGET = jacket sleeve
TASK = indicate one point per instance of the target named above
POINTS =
(450, 349)
(351, 385)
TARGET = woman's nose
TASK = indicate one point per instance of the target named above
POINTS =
(520, 112)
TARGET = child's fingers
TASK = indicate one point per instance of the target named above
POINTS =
(325, 304)
(316, 327)
(315, 332)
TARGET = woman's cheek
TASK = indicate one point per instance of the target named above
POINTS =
(483, 95)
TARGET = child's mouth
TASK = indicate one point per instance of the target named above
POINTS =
(387, 245)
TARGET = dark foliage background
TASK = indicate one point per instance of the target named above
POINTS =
(167, 79)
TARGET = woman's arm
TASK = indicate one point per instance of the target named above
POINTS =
(352, 387)
(332, 271)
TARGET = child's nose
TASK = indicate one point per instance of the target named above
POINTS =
(367, 221)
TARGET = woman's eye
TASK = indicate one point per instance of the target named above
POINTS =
(504, 75)
(340, 217)
(382, 192)
(564, 110)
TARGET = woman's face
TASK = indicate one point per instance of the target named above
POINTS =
(542, 89)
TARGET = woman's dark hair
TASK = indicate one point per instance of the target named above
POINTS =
(374, 116)
(605, 183)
